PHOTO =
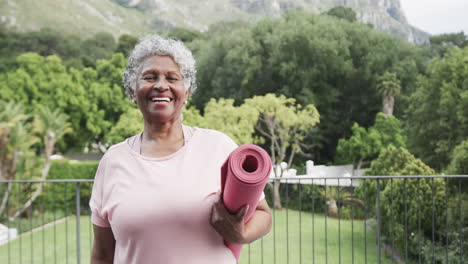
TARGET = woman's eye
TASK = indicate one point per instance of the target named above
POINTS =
(149, 78)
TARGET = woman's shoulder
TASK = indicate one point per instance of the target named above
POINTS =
(120, 148)
(212, 135)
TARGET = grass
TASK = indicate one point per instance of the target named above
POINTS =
(296, 238)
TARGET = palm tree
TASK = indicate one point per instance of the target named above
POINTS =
(51, 126)
(388, 86)
(15, 141)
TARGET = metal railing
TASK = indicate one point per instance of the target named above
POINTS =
(386, 219)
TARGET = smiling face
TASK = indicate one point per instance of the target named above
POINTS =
(160, 92)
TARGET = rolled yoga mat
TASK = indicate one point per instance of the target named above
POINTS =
(244, 175)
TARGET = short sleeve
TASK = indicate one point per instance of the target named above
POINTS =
(96, 201)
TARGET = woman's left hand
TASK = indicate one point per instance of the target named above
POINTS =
(230, 226)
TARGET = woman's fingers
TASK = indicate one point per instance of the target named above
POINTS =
(229, 226)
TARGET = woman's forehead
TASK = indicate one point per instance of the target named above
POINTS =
(159, 63)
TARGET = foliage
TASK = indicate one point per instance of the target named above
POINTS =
(125, 44)
(130, 123)
(316, 59)
(343, 12)
(57, 195)
(73, 51)
(459, 162)
(283, 124)
(238, 122)
(366, 144)
(93, 99)
(441, 44)
(437, 118)
(410, 200)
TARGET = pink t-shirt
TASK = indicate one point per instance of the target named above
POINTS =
(159, 208)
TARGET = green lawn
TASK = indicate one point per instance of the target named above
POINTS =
(306, 244)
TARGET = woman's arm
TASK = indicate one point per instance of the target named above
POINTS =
(232, 228)
(103, 246)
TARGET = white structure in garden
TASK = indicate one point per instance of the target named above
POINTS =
(7, 234)
(341, 175)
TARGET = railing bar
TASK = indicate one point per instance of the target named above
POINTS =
(392, 237)
(274, 222)
(31, 244)
(366, 214)
(313, 225)
(352, 232)
(249, 253)
(433, 221)
(378, 222)
(300, 222)
(446, 220)
(326, 216)
(460, 220)
(55, 225)
(66, 221)
(78, 231)
(43, 229)
(419, 221)
(287, 222)
(339, 221)
(406, 219)
(9, 226)
(382, 177)
(90, 225)
(19, 227)
(271, 179)
(261, 244)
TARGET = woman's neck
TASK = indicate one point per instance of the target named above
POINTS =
(163, 132)
(162, 139)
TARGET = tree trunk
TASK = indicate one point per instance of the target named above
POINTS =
(5, 198)
(38, 191)
(388, 104)
(332, 208)
(49, 147)
(276, 195)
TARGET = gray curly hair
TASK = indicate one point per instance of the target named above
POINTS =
(152, 45)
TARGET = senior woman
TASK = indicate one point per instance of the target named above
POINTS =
(150, 201)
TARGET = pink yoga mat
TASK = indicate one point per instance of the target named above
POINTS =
(244, 175)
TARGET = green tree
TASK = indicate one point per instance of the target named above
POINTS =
(316, 59)
(92, 98)
(238, 122)
(405, 200)
(125, 44)
(389, 87)
(437, 118)
(283, 124)
(441, 44)
(50, 126)
(366, 144)
(343, 12)
(100, 46)
(130, 123)
(459, 162)
(16, 142)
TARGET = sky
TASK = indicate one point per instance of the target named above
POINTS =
(437, 16)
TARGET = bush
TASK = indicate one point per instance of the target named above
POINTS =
(61, 196)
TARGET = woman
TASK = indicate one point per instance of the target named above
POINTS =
(150, 201)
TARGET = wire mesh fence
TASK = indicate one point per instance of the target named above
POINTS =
(366, 219)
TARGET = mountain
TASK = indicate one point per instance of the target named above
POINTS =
(142, 16)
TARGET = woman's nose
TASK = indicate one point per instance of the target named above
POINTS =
(161, 84)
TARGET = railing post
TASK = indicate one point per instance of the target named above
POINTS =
(78, 207)
(378, 221)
